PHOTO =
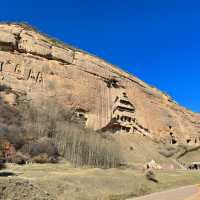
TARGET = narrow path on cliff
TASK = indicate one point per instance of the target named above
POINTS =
(182, 193)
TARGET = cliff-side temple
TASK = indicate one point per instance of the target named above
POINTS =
(123, 114)
(37, 69)
(123, 119)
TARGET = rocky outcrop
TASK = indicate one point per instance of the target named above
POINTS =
(32, 63)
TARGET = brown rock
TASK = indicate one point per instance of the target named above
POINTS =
(43, 68)
(7, 41)
(64, 55)
(31, 43)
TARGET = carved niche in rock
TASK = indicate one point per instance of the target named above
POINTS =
(113, 82)
(80, 115)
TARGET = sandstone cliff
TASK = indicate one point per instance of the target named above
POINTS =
(34, 65)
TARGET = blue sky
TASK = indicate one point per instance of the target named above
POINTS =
(156, 40)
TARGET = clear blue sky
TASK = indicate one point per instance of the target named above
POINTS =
(156, 40)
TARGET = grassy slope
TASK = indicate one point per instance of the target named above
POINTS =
(65, 182)
(185, 154)
(144, 150)
(192, 156)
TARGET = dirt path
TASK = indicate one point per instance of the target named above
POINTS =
(182, 193)
(195, 197)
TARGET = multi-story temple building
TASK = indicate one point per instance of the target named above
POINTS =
(122, 118)
(123, 114)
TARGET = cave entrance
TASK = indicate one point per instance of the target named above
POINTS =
(173, 141)
(188, 141)
(173, 138)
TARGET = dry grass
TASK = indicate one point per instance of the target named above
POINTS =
(192, 155)
(75, 143)
(138, 150)
(62, 131)
(64, 181)
(185, 154)
(85, 147)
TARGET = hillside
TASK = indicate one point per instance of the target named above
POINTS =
(42, 68)
(73, 126)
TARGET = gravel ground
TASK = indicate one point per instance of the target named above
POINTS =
(18, 189)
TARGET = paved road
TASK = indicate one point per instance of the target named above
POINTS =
(177, 194)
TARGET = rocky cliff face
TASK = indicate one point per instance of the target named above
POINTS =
(107, 97)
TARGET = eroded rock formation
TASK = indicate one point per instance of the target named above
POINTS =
(42, 68)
